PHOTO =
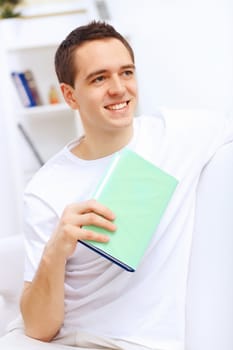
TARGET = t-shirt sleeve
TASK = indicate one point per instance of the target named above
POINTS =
(39, 223)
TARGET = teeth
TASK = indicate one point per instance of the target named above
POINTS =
(118, 106)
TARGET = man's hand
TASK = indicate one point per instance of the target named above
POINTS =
(70, 227)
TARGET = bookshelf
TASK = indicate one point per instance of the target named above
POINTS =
(29, 43)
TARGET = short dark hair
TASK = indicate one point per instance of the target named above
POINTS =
(64, 57)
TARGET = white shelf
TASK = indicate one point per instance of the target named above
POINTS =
(30, 45)
(45, 110)
(47, 30)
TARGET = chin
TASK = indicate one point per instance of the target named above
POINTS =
(123, 121)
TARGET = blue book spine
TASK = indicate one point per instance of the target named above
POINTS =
(20, 89)
(23, 89)
(33, 86)
(27, 90)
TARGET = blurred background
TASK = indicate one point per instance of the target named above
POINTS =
(184, 59)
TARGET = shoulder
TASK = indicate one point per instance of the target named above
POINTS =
(149, 124)
(200, 125)
(182, 122)
(202, 119)
(197, 132)
(149, 120)
(182, 118)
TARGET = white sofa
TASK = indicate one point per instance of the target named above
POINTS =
(11, 278)
(209, 323)
(209, 311)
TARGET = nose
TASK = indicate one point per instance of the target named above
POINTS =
(116, 86)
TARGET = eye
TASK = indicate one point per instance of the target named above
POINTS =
(98, 79)
(128, 73)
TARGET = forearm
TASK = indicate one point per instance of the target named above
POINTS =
(42, 302)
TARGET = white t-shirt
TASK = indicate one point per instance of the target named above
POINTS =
(147, 306)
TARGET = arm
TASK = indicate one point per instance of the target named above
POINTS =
(42, 300)
(209, 304)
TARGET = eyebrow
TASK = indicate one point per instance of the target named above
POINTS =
(102, 71)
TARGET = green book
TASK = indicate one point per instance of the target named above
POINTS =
(138, 193)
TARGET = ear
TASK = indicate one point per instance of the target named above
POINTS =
(69, 95)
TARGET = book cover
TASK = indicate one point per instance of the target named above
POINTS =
(32, 85)
(138, 193)
(23, 96)
(23, 89)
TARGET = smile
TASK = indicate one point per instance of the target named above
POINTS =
(118, 106)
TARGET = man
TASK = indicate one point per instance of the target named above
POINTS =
(72, 295)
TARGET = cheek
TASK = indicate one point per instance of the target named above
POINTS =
(91, 98)
(89, 102)
(132, 87)
(94, 98)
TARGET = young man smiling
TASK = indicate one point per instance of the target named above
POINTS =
(105, 93)
(72, 296)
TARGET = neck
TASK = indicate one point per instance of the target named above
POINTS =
(91, 148)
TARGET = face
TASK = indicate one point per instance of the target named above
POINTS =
(105, 90)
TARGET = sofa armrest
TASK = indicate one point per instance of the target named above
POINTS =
(210, 285)
(11, 278)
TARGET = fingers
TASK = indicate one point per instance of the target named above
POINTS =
(80, 234)
(92, 219)
(90, 213)
(93, 206)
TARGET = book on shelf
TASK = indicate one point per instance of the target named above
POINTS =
(27, 88)
(138, 193)
(29, 76)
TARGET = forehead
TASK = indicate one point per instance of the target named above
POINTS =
(101, 54)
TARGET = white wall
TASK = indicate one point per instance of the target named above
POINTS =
(184, 51)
